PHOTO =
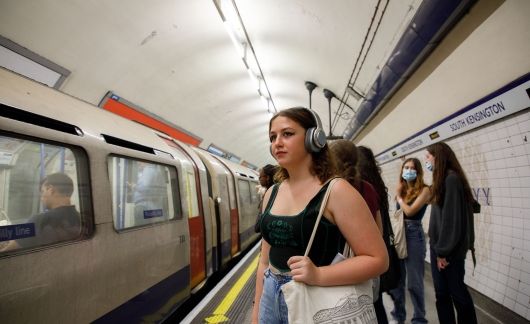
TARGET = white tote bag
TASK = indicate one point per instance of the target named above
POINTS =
(335, 304)
(400, 238)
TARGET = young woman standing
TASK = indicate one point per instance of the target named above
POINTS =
(412, 196)
(449, 234)
(298, 144)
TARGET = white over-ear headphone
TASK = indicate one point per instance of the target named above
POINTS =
(315, 137)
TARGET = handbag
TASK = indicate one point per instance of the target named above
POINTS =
(400, 238)
(334, 304)
(390, 279)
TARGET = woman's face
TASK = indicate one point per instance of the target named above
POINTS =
(429, 158)
(429, 161)
(263, 179)
(409, 166)
(287, 141)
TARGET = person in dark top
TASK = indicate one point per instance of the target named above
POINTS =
(290, 209)
(266, 180)
(371, 172)
(412, 196)
(450, 226)
(347, 157)
(60, 221)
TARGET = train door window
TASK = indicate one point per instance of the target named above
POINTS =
(190, 203)
(245, 197)
(254, 193)
(142, 192)
(44, 194)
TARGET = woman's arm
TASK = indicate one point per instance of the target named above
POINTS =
(419, 202)
(348, 210)
(262, 266)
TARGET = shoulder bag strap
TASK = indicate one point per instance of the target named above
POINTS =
(321, 211)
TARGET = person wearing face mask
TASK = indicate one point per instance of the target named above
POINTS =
(412, 196)
(450, 234)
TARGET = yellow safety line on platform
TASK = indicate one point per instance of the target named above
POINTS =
(218, 315)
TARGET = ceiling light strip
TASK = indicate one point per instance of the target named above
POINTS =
(236, 30)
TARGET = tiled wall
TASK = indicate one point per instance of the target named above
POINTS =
(496, 159)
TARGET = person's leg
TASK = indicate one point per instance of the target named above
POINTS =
(415, 264)
(465, 309)
(272, 307)
(398, 296)
(444, 303)
(380, 311)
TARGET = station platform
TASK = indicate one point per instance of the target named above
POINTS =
(231, 301)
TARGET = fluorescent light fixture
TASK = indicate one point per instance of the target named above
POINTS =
(255, 79)
(236, 30)
(240, 46)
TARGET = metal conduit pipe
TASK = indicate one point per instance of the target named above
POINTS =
(431, 23)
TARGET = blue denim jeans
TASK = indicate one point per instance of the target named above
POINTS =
(412, 270)
(272, 307)
(450, 290)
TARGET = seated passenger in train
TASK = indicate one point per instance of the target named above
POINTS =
(60, 221)
(150, 193)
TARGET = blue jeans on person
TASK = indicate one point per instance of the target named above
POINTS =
(450, 290)
(412, 271)
(272, 306)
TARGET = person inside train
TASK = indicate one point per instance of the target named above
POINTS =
(60, 220)
(412, 196)
(266, 180)
(150, 195)
(450, 234)
(347, 157)
(290, 209)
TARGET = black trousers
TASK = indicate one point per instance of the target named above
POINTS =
(450, 290)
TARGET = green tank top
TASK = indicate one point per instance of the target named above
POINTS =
(289, 235)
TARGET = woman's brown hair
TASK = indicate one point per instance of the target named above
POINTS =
(411, 192)
(323, 165)
(444, 161)
(346, 158)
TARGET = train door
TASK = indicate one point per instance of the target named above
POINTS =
(192, 208)
(221, 218)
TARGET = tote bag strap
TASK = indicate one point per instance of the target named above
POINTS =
(320, 212)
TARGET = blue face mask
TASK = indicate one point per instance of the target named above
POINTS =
(429, 166)
(409, 174)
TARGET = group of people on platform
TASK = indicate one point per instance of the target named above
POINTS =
(355, 213)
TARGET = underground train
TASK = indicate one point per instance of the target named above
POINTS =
(155, 217)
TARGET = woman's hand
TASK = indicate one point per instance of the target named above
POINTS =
(442, 263)
(303, 270)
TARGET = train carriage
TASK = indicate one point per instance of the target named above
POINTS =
(152, 212)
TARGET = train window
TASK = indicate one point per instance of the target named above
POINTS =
(44, 194)
(245, 197)
(142, 192)
(254, 193)
(189, 195)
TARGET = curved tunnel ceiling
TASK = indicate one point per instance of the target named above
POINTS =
(175, 59)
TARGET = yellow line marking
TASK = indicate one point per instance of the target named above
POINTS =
(218, 315)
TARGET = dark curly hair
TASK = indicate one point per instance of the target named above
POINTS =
(346, 159)
(268, 171)
(372, 173)
(323, 165)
